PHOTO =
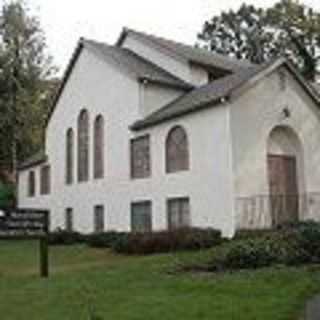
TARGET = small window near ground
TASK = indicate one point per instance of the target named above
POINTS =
(31, 184)
(140, 157)
(45, 180)
(69, 220)
(178, 213)
(141, 216)
(99, 218)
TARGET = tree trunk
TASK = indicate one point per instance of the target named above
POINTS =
(14, 161)
(15, 79)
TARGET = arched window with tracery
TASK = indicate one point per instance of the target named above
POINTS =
(69, 156)
(98, 147)
(177, 150)
(83, 146)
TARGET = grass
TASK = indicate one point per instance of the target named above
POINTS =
(122, 288)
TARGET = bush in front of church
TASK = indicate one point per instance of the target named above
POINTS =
(64, 238)
(167, 241)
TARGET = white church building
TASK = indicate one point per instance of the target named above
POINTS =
(151, 134)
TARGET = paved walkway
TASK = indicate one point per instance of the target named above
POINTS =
(312, 311)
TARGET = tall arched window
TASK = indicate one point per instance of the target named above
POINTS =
(177, 150)
(69, 156)
(98, 147)
(83, 146)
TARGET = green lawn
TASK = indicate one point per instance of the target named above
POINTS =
(120, 287)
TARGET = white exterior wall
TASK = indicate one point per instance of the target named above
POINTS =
(167, 60)
(100, 88)
(208, 183)
(154, 96)
(254, 115)
(40, 202)
(158, 56)
(199, 75)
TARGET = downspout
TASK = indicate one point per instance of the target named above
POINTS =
(231, 176)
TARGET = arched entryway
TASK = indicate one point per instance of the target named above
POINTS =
(285, 174)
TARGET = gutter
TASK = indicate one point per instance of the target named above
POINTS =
(141, 124)
(32, 164)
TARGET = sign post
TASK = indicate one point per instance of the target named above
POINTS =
(27, 224)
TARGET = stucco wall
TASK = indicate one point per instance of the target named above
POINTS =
(154, 96)
(199, 75)
(40, 202)
(208, 183)
(254, 115)
(158, 56)
(102, 89)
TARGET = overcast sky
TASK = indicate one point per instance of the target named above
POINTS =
(64, 21)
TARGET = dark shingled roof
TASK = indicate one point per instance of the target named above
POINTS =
(192, 54)
(197, 99)
(214, 93)
(34, 160)
(316, 87)
(142, 68)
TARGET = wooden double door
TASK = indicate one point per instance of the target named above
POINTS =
(283, 186)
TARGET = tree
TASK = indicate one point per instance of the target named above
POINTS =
(25, 68)
(289, 29)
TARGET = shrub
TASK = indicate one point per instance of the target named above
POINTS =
(254, 233)
(308, 238)
(167, 241)
(103, 239)
(301, 243)
(7, 195)
(62, 237)
(292, 244)
(250, 254)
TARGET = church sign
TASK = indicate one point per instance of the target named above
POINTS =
(26, 224)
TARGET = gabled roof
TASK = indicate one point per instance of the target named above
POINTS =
(141, 68)
(36, 159)
(219, 91)
(192, 54)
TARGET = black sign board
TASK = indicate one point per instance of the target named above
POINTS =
(27, 224)
(23, 223)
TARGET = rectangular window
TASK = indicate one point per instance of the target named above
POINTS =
(45, 180)
(178, 213)
(140, 157)
(98, 219)
(31, 184)
(141, 216)
(69, 220)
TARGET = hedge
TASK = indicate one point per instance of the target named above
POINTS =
(167, 241)
(290, 245)
(142, 243)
